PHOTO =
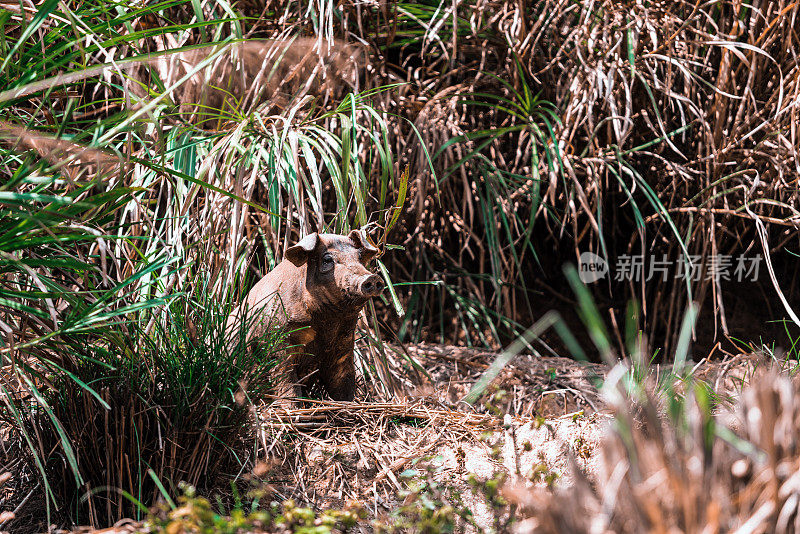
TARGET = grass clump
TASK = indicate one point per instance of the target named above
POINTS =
(151, 405)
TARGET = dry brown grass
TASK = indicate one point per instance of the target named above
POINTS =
(719, 84)
(715, 474)
(73, 159)
(217, 86)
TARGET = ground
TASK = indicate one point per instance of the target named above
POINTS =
(552, 413)
(334, 454)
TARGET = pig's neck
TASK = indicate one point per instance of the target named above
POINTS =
(320, 308)
(326, 335)
(335, 319)
(335, 330)
(327, 319)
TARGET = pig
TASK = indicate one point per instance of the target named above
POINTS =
(316, 293)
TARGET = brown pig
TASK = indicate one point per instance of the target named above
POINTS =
(316, 293)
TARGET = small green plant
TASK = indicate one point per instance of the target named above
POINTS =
(305, 521)
(195, 514)
(541, 472)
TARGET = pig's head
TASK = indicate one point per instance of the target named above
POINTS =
(336, 273)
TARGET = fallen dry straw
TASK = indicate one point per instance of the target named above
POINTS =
(326, 415)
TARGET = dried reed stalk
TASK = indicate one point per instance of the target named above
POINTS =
(221, 83)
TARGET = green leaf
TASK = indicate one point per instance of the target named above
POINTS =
(398, 307)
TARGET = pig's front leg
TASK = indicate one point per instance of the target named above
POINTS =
(340, 381)
(287, 384)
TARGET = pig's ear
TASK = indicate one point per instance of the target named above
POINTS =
(365, 246)
(298, 254)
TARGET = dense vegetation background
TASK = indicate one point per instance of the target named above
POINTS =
(146, 174)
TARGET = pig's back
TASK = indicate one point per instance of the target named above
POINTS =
(279, 294)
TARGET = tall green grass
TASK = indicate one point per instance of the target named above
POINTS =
(171, 400)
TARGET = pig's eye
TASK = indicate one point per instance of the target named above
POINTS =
(327, 262)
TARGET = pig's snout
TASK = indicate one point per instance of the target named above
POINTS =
(371, 286)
